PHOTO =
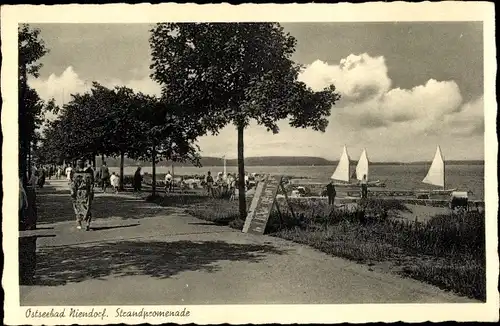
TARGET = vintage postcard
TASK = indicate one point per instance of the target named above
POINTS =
(249, 164)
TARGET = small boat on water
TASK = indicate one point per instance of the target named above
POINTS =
(436, 175)
(342, 174)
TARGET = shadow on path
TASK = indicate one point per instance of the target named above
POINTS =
(28, 257)
(99, 228)
(56, 206)
(72, 264)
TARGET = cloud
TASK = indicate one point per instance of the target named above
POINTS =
(430, 101)
(368, 100)
(469, 120)
(392, 123)
(357, 77)
(60, 87)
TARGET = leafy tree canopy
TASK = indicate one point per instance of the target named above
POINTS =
(221, 73)
(234, 72)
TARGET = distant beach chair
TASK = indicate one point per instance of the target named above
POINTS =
(459, 200)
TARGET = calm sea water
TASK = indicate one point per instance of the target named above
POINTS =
(462, 177)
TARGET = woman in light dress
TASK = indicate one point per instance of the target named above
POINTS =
(115, 181)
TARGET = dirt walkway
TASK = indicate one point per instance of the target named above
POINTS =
(139, 253)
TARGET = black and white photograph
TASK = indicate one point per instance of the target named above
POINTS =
(175, 164)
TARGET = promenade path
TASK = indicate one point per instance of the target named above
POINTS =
(138, 254)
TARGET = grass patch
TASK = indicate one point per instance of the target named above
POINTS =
(216, 211)
(447, 251)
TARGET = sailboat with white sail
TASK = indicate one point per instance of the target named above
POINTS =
(436, 175)
(362, 169)
(343, 174)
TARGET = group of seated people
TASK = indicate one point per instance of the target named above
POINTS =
(222, 185)
(219, 186)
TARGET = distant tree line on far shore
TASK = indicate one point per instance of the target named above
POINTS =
(275, 161)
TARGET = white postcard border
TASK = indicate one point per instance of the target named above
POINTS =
(209, 314)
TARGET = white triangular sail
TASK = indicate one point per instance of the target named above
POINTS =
(362, 167)
(435, 176)
(342, 171)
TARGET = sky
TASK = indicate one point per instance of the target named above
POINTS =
(405, 87)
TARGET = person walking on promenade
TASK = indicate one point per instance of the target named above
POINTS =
(137, 182)
(97, 177)
(331, 193)
(168, 182)
(33, 181)
(50, 171)
(218, 184)
(210, 184)
(115, 182)
(364, 187)
(68, 172)
(42, 176)
(82, 192)
(23, 203)
(104, 174)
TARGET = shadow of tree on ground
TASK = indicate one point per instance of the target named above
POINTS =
(72, 264)
(27, 257)
(57, 206)
(179, 199)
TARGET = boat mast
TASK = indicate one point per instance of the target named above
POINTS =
(224, 158)
(444, 170)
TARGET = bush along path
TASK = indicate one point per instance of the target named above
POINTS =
(447, 251)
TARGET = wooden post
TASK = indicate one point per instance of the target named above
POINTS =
(286, 199)
(279, 213)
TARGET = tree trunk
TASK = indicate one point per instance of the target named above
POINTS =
(241, 173)
(102, 158)
(94, 165)
(30, 168)
(23, 152)
(122, 160)
(153, 154)
(23, 168)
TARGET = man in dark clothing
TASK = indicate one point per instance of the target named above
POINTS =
(210, 184)
(104, 174)
(331, 193)
(137, 180)
(50, 171)
(364, 187)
